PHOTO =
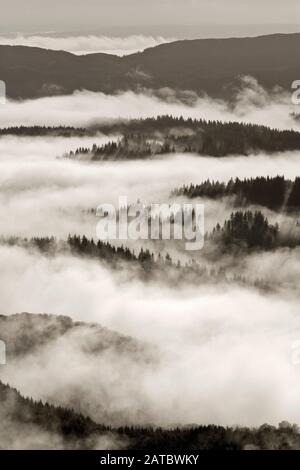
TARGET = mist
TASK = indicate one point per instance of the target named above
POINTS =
(86, 44)
(220, 353)
(206, 348)
(43, 195)
(253, 104)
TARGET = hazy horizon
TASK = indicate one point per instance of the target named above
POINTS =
(125, 41)
(141, 17)
(180, 31)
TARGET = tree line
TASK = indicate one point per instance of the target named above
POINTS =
(272, 192)
(146, 265)
(143, 138)
(242, 233)
(247, 229)
(41, 131)
(79, 431)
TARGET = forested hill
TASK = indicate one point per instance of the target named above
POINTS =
(143, 138)
(49, 131)
(44, 426)
(276, 193)
(205, 65)
(27, 333)
(155, 136)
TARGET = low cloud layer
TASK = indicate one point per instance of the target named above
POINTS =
(43, 195)
(88, 44)
(253, 105)
(214, 345)
(225, 351)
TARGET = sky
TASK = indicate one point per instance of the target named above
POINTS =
(210, 17)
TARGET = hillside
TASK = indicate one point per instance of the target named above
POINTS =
(27, 424)
(275, 193)
(25, 333)
(210, 65)
(164, 135)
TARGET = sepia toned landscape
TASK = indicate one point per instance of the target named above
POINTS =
(138, 343)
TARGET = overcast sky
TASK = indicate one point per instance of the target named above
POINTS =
(145, 16)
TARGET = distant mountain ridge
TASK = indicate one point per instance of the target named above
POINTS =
(210, 66)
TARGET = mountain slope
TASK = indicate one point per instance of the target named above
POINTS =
(28, 424)
(33, 424)
(27, 333)
(210, 65)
